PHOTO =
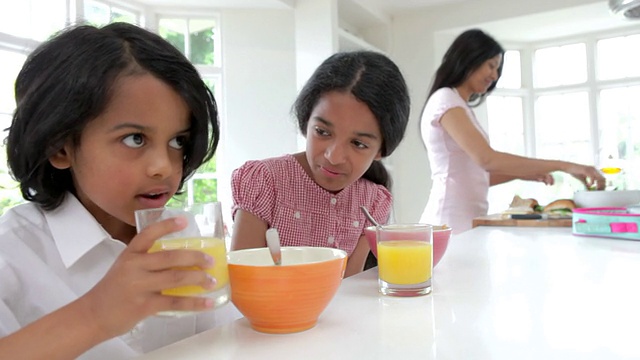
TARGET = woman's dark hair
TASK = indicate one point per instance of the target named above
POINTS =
(373, 79)
(69, 80)
(466, 54)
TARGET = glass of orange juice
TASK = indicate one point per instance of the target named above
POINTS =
(205, 233)
(405, 259)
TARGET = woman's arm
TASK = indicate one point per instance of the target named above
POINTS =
(497, 179)
(249, 231)
(458, 125)
(355, 263)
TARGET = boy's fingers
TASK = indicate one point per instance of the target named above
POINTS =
(143, 241)
(162, 260)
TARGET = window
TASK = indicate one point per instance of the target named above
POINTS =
(101, 13)
(11, 64)
(25, 24)
(560, 65)
(198, 39)
(581, 107)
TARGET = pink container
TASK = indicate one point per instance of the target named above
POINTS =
(440, 241)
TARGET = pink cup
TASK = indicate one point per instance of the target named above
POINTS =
(441, 237)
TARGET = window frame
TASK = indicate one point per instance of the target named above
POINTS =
(593, 86)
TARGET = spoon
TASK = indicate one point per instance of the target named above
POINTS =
(371, 219)
(273, 242)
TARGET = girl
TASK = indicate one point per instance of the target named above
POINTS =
(463, 164)
(353, 112)
(108, 121)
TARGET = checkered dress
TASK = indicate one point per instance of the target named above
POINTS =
(280, 192)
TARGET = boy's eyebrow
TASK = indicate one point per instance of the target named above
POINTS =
(142, 128)
(358, 134)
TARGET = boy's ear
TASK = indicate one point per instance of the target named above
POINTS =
(62, 159)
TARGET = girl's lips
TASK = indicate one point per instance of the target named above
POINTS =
(329, 173)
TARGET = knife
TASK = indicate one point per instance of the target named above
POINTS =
(529, 216)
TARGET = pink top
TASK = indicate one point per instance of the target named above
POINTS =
(280, 192)
(460, 187)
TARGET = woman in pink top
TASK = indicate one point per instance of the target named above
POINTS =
(463, 164)
(353, 111)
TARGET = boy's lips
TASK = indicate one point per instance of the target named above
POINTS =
(154, 199)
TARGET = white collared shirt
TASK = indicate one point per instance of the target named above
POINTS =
(50, 258)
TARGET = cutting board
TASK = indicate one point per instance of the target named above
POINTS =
(499, 220)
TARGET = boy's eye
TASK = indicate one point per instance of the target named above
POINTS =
(134, 140)
(178, 142)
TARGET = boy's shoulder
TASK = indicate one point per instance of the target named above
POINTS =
(22, 215)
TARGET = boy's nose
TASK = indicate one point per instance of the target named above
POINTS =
(160, 164)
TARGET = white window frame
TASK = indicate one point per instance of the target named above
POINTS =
(592, 86)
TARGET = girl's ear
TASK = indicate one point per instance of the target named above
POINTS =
(378, 156)
(62, 159)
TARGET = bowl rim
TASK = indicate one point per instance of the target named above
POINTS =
(448, 228)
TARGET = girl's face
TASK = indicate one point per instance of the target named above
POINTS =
(343, 139)
(130, 157)
(481, 78)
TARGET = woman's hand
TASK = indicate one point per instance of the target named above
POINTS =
(130, 291)
(588, 175)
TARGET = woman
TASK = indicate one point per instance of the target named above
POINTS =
(463, 164)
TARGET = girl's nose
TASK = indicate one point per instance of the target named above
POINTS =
(335, 153)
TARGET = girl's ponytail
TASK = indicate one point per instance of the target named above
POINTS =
(378, 174)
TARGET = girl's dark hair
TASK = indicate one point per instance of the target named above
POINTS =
(466, 54)
(373, 79)
(69, 80)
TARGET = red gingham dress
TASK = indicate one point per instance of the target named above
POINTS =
(279, 191)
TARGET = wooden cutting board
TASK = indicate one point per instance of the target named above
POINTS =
(500, 220)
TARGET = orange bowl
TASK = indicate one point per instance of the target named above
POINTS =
(286, 298)
(441, 236)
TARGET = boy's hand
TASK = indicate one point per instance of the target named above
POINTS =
(130, 291)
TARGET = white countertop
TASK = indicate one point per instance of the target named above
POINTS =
(498, 293)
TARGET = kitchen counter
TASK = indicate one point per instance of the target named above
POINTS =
(501, 220)
(499, 293)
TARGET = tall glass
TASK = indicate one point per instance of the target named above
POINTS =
(205, 233)
(405, 259)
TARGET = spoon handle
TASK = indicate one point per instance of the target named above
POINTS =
(273, 242)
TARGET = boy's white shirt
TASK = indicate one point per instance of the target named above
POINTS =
(50, 258)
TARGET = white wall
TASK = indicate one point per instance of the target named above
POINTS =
(259, 86)
(420, 38)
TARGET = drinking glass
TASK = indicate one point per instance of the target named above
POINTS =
(205, 233)
(405, 259)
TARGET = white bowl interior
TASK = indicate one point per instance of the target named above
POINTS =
(291, 255)
(615, 198)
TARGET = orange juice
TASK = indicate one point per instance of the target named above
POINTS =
(404, 262)
(211, 246)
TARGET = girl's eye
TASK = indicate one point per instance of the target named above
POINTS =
(321, 132)
(178, 142)
(134, 140)
(360, 144)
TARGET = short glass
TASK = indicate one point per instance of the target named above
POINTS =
(405, 259)
(205, 233)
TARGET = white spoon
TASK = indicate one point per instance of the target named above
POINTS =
(273, 242)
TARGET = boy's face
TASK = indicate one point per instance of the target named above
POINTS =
(343, 139)
(130, 157)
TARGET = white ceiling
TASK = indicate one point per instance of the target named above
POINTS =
(537, 27)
